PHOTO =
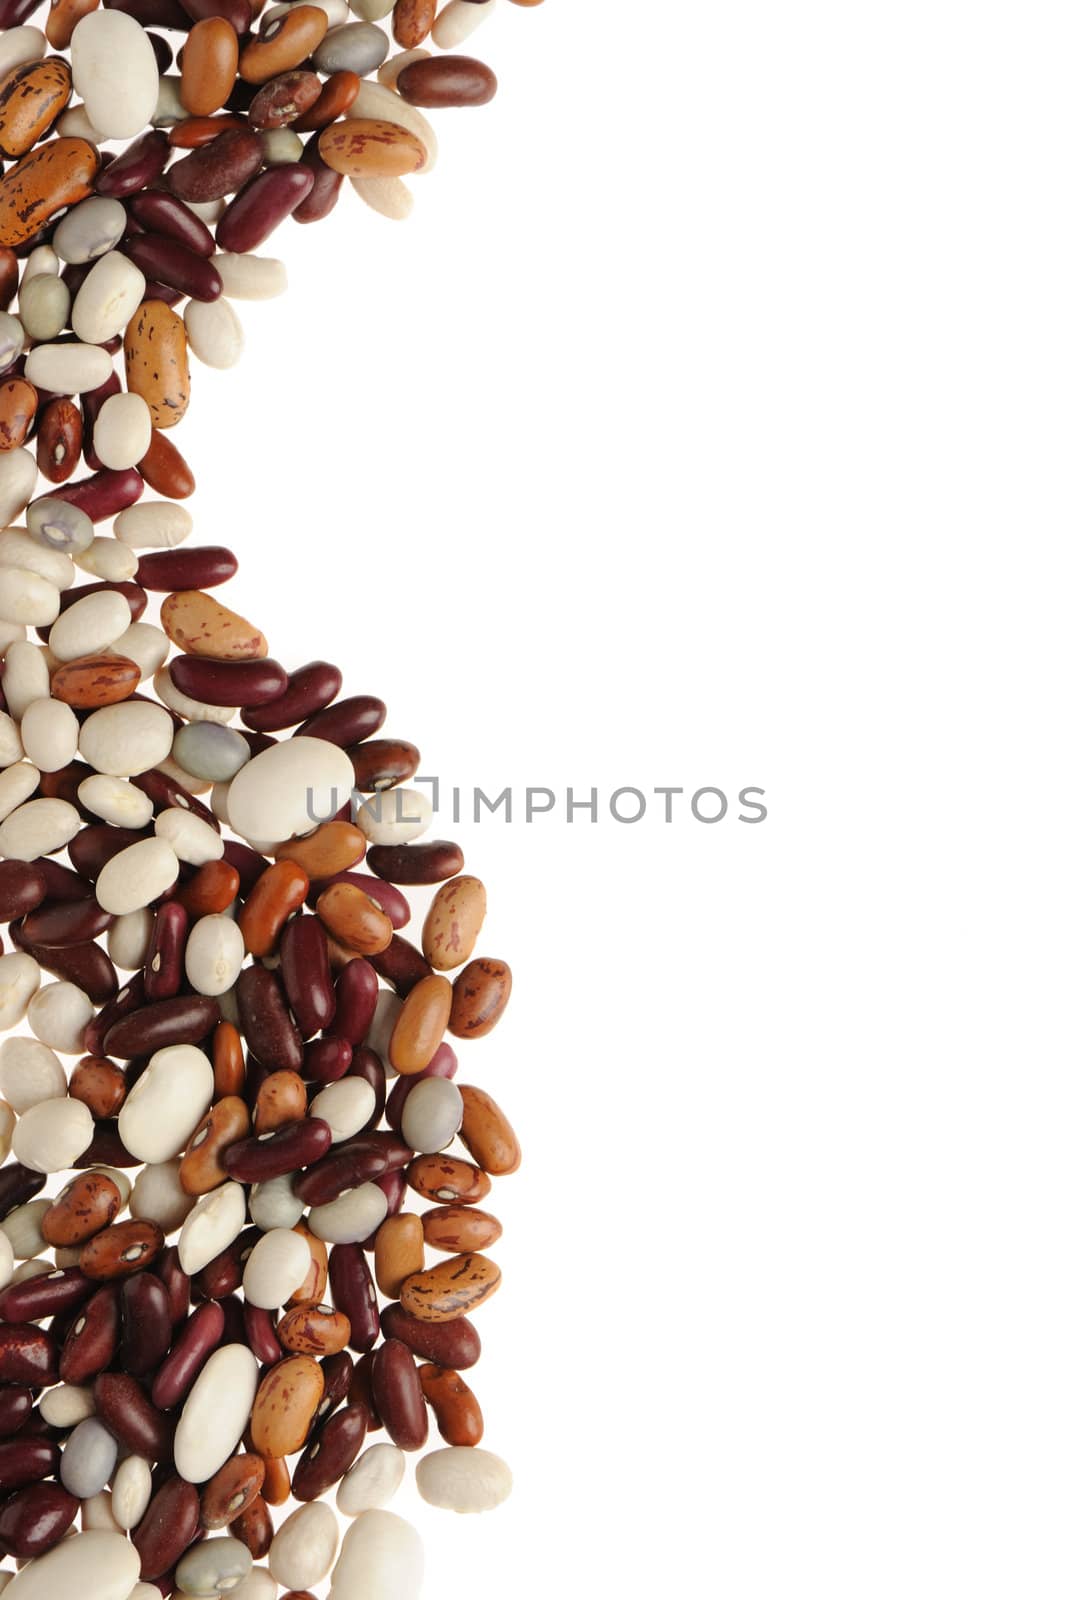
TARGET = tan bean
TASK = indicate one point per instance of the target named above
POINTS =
(399, 1251)
(353, 919)
(201, 1168)
(285, 1406)
(451, 1289)
(334, 847)
(202, 626)
(448, 1180)
(457, 1229)
(282, 1098)
(487, 1134)
(368, 147)
(232, 1489)
(412, 22)
(314, 1330)
(284, 44)
(455, 1406)
(453, 922)
(157, 361)
(481, 992)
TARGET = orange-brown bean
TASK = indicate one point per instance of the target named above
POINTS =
(334, 847)
(313, 1288)
(31, 97)
(121, 1249)
(284, 45)
(209, 66)
(448, 1180)
(370, 147)
(254, 1527)
(227, 1058)
(157, 362)
(201, 1168)
(487, 1134)
(57, 174)
(456, 1229)
(286, 1405)
(314, 1330)
(94, 681)
(282, 1098)
(18, 407)
(211, 890)
(338, 93)
(100, 1085)
(59, 435)
(231, 1490)
(85, 1207)
(481, 992)
(165, 469)
(277, 1484)
(454, 1405)
(279, 893)
(63, 18)
(412, 22)
(195, 132)
(399, 1251)
(451, 1289)
(354, 920)
(421, 1024)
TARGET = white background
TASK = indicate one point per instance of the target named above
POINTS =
(704, 427)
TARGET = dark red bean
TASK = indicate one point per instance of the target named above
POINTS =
(164, 56)
(289, 1148)
(184, 1020)
(164, 964)
(284, 99)
(15, 1406)
(398, 1396)
(36, 1518)
(383, 763)
(454, 1344)
(102, 495)
(124, 1408)
(337, 1372)
(72, 922)
(250, 218)
(174, 265)
(128, 999)
(106, 1149)
(195, 1341)
(362, 1389)
(217, 169)
(272, 1036)
(28, 1355)
(26, 1461)
(222, 1276)
(447, 81)
(327, 1059)
(92, 848)
(153, 13)
(178, 1284)
(416, 863)
(145, 1323)
(357, 990)
(306, 974)
(352, 1288)
(88, 966)
(13, 13)
(22, 888)
(159, 212)
(92, 1342)
(239, 13)
(46, 1295)
(331, 1452)
(261, 1335)
(202, 567)
(228, 683)
(366, 1064)
(310, 689)
(393, 1185)
(325, 186)
(364, 1159)
(401, 965)
(347, 722)
(60, 883)
(246, 862)
(17, 1185)
(233, 1313)
(167, 1528)
(165, 793)
(392, 902)
(444, 1064)
(254, 1528)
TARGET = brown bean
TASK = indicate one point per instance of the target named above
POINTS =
(314, 1330)
(313, 1288)
(368, 147)
(18, 407)
(122, 1249)
(282, 1098)
(277, 1485)
(227, 1058)
(331, 1452)
(481, 992)
(254, 1527)
(92, 1341)
(94, 681)
(455, 1344)
(87, 1204)
(231, 1490)
(398, 1396)
(26, 1460)
(145, 1324)
(263, 203)
(457, 1229)
(416, 863)
(487, 1134)
(353, 918)
(56, 175)
(447, 81)
(100, 1085)
(31, 97)
(165, 469)
(382, 763)
(412, 21)
(167, 1528)
(36, 1518)
(217, 169)
(284, 44)
(458, 1415)
(208, 66)
(280, 891)
(339, 92)
(22, 888)
(201, 1168)
(211, 890)
(399, 1251)
(284, 99)
(285, 1406)
(124, 1408)
(333, 847)
(59, 436)
(157, 362)
(420, 1026)
(451, 1289)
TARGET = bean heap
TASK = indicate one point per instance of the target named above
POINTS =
(259, 1100)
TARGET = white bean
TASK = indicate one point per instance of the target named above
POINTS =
(455, 23)
(389, 197)
(351, 1218)
(372, 1481)
(381, 1559)
(190, 837)
(10, 741)
(18, 480)
(7, 1128)
(127, 739)
(136, 876)
(191, 710)
(59, 1014)
(464, 1480)
(122, 431)
(274, 1204)
(22, 1229)
(247, 277)
(158, 1196)
(66, 1405)
(216, 1411)
(38, 828)
(214, 954)
(29, 1073)
(213, 1223)
(276, 1267)
(289, 789)
(153, 525)
(17, 549)
(214, 332)
(115, 73)
(70, 368)
(20, 44)
(346, 1105)
(145, 645)
(162, 1109)
(107, 299)
(305, 1546)
(129, 938)
(26, 676)
(98, 1565)
(395, 816)
(26, 598)
(116, 800)
(20, 977)
(89, 229)
(108, 559)
(50, 732)
(131, 1491)
(90, 625)
(52, 1135)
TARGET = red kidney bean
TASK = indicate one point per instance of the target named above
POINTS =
(306, 976)
(69, 922)
(174, 265)
(454, 1344)
(221, 1277)
(92, 1341)
(167, 1528)
(364, 1159)
(88, 966)
(59, 437)
(357, 990)
(444, 1064)
(393, 1185)
(233, 1314)
(60, 883)
(164, 56)
(106, 1149)
(22, 888)
(164, 213)
(251, 217)
(248, 863)
(15, 1406)
(26, 1461)
(197, 1339)
(366, 1064)
(284, 99)
(203, 567)
(164, 964)
(337, 1371)
(392, 902)
(228, 683)
(352, 1287)
(17, 1185)
(272, 1036)
(258, 742)
(124, 1408)
(331, 1452)
(128, 999)
(44, 1296)
(145, 1324)
(327, 1059)
(28, 1355)
(295, 1145)
(153, 13)
(217, 169)
(325, 186)
(238, 13)
(184, 1020)
(165, 793)
(178, 1284)
(13, 13)
(254, 1528)
(101, 496)
(362, 1389)
(36, 1518)
(382, 763)
(165, 469)
(310, 689)
(261, 1335)
(416, 863)
(347, 722)
(401, 965)
(397, 1393)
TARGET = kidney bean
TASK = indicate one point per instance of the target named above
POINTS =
(88, 966)
(290, 1148)
(337, 1371)
(254, 1527)
(203, 567)
(164, 968)
(283, 99)
(347, 722)
(165, 793)
(454, 1404)
(331, 1452)
(382, 763)
(153, 13)
(26, 1460)
(352, 1287)
(59, 437)
(174, 265)
(310, 689)
(416, 863)
(16, 1403)
(100, 1085)
(163, 213)
(392, 902)
(218, 169)
(338, 94)
(278, 893)
(306, 976)
(47, 1295)
(165, 469)
(106, 1149)
(366, 1064)
(238, 13)
(398, 1395)
(17, 1185)
(210, 890)
(167, 1528)
(451, 80)
(128, 999)
(364, 1159)
(261, 1335)
(36, 1518)
(280, 1098)
(393, 1185)
(28, 1355)
(186, 1019)
(177, 1284)
(251, 217)
(314, 1329)
(327, 1059)
(198, 1338)
(455, 1344)
(400, 965)
(70, 922)
(124, 1408)
(192, 133)
(101, 496)
(444, 1064)
(361, 1390)
(9, 275)
(84, 1206)
(122, 1249)
(228, 683)
(324, 189)
(22, 888)
(145, 1324)
(271, 1034)
(357, 990)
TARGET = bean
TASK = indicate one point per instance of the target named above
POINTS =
(202, 568)
(103, 494)
(352, 1218)
(88, 1459)
(278, 893)
(166, 471)
(46, 180)
(412, 22)
(284, 44)
(354, 919)
(86, 1205)
(463, 1480)
(92, 1341)
(338, 94)
(305, 973)
(447, 81)
(131, 1491)
(217, 169)
(118, 102)
(261, 1335)
(381, 1556)
(487, 1134)
(361, 1160)
(26, 1460)
(164, 957)
(27, 1354)
(231, 1490)
(22, 888)
(17, 1185)
(138, 166)
(353, 1294)
(185, 1020)
(16, 1405)
(347, 722)
(100, 1084)
(285, 1406)
(122, 1249)
(370, 147)
(167, 1528)
(208, 66)
(254, 1527)
(416, 863)
(170, 262)
(145, 1324)
(326, 184)
(163, 214)
(373, 1480)
(196, 1341)
(261, 205)
(272, 1036)
(213, 1566)
(305, 1546)
(287, 1150)
(59, 435)
(281, 1098)
(36, 1518)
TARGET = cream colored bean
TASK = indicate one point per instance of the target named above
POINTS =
(115, 73)
(280, 146)
(32, 1269)
(214, 332)
(12, 338)
(458, 20)
(70, 368)
(305, 1546)
(18, 480)
(161, 1111)
(7, 1128)
(121, 1180)
(10, 741)
(216, 1411)
(374, 100)
(59, 1014)
(115, 800)
(10, 633)
(136, 876)
(168, 107)
(123, 430)
(347, 1106)
(7, 1262)
(389, 197)
(395, 816)
(26, 676)
(274, 1204)
(110, 560)
(350, 1219)
(20, 977)
(26, 598)
(171, 769)
(258, 1585)
(38, 828)
(66, 1405)
(158, 1196)
(44, 307)
(96, 1565)
(52, 1135)
(41, 261)
(372, 1481)
(29, 1073)
(17, 549)
(464, 1480)
(213, 1223)
(214, 955)
(131, 1491)
(153, 525)
(90, 625)
(50, 732)
(277, 1266)
(20, 44)
(190, 837)
(22, 1229)
(191, 710)
(381, 1559)
(145, 644)
(75, 123)
(251, 277)
(126, 740)
(107, 299)
(268, 798)
(128, 939)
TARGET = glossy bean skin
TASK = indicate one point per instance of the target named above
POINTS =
(26, 1460)
(286, 1405)
(306, 976)
(231, 1490)
(261, 205)
(311, 1329)
(451, 80)
(211, 890)
(454, 1405)
(165, 469)
(394, 904)
(363, 1159)
(145, 1324)
(164, 965)
(177, 1284)
(310, 689)
(356, 1001)
(101, 496)
(129, 998)
(203, 567)
(22, 888)
(332, 848)
(276, 896)
(272, 1037)
(451, 1289)
(167, 1528)
(401, 966)
(162, 213)
(136, 168)
(165, 792)
(92, 1342)
(287, 1150)
(228, 683)
(444, 1064)
(28, 1355)
(254, 1527)
(261, 1335)
(347, 722)
(46, 1296)
(455, 1345)
(16, 1404)
(487, 1134)
(85, 965)
(36, 1518)
(86, 1205)
(217, 169)
(459, 1229)
(121, 1250)
(277, 1484)
(326, 184)
(17, 1185)
(174, 265)
(284, 99)
(331, 1452)
(227, 1121)
(398, 1395)
(416, 863)
(383, 763)
(338, 93)
(123, 1406)
(281, 1098)
(70, 922)
(59, 439)
(186, 1019)
(197, 1339)
(327, 1059)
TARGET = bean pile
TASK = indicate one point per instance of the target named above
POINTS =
(236, 1236)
